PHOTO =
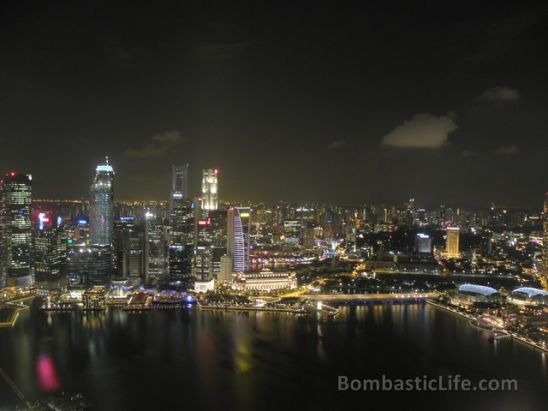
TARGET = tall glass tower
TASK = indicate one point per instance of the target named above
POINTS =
(16, 230)
(238, 225)
(101, 211)
(210, 189)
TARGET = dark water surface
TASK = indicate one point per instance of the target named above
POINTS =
(190, 359)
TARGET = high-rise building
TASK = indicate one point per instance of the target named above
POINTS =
(16, 230)
(423, 243)
(181, 223)
(545, 237)
(452, 248)
(179, 185)
(89, 264)
(129, 249)
(156, 258)
(101, 217)
(210, 188)
(50, 249)
(238, 227)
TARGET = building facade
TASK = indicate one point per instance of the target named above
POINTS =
(101, 217)
(238, 236)
(210, 189)
(16, 230)
(453, 242)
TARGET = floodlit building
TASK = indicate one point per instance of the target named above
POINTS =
(210, 189)
(265, 281)
(204, 286)
(468, 295)
(528, 296)
(452, 248)
(423, 244)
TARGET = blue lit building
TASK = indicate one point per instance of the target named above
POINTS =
(101, 211)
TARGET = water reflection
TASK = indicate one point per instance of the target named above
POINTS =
(212, 360)
(47, 374)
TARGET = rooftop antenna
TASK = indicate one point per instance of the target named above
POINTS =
(106, 158)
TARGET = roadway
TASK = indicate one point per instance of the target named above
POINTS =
(368, 297)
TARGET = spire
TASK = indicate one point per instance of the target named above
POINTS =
(106, 159)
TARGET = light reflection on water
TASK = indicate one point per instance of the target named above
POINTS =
(123, 360)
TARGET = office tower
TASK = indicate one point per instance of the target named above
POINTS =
(225, 272)
(129, 246)
(156, 258)
(309, 236)
(292, 232)
(179, 185)
(101, 211)
(423, 244)
(89, 265)
(452, 245)
(209, 243)
(16, 230)
(545, 238)
(181, 223)
(238, 226)
(50, 249)
(210, 188)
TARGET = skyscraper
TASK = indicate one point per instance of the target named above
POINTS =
(210, 200)
(238, 226)
(179, 185)
(423, 243)
(101, 211)
(16, 230)
(181, 223)
(452, 244)
(545, 237)
(156, 261)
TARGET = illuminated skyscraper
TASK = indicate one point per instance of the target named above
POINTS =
(452, 245)
(238, 225)
(423, 243)
(101, 211)
(16, 230)
(210, 186)
(181, 224)
(545, 237)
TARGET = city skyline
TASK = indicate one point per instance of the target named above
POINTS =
(196, 180)
(287, 205)
(441, 108)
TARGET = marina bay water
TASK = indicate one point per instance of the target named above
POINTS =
(192, 359)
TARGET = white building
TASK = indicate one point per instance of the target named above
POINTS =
(264, 281)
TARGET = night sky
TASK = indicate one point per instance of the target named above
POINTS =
(371, 103)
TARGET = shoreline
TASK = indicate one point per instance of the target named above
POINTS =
(519, 338)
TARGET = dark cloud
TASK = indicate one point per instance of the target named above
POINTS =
(506, 150)
(337, 144)
(158, 145)
(423, 131)
(500, 94)
(469, 153)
